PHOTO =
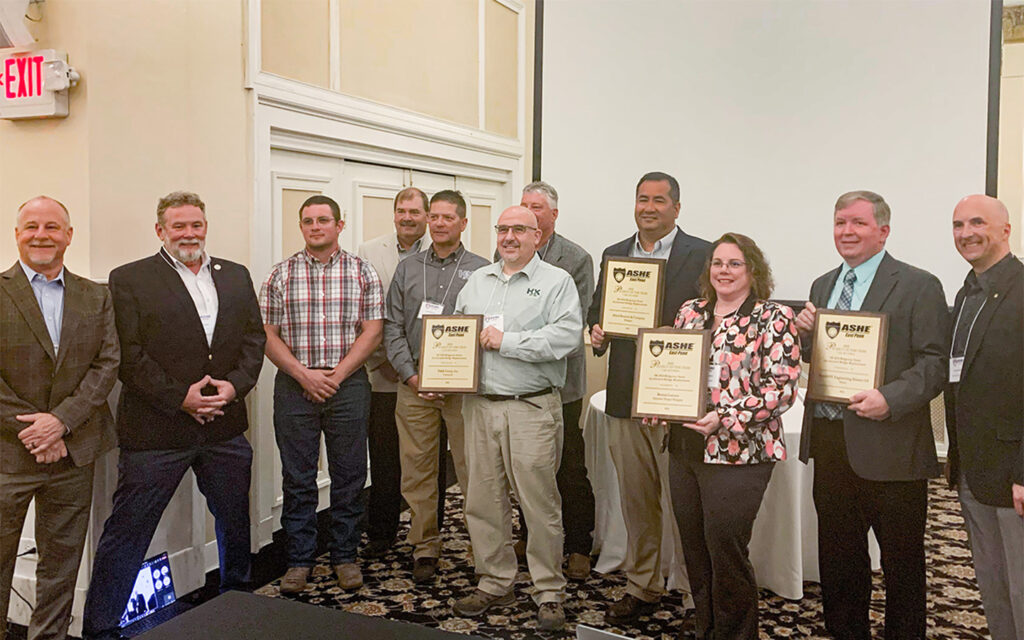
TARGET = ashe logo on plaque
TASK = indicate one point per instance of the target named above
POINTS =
(450, 361)
(671, 374)
(633, 301)
(847, 354)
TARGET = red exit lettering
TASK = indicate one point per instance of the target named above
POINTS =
(23, 77)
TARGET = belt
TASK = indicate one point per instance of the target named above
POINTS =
(521, 396)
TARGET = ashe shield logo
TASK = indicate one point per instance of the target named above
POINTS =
(619, 273)
(656, 347)
(437, 331)
(832, 329)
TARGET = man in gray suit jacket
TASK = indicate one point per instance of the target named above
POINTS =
(573, 484)
(873, 456)
(384, 253)
(60, 357)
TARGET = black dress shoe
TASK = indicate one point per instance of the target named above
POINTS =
(628, 609)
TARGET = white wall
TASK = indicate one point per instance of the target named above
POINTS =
(767, 110)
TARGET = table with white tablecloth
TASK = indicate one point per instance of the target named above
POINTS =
(784, 544)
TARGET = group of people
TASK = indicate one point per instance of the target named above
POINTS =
(186, 334)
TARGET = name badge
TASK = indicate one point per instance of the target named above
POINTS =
(496, 320)
(429, 308)
(956, 365)
(714, 372)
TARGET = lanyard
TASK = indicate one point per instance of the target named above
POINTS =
(454, 272)
(970, 329)
(504, 297)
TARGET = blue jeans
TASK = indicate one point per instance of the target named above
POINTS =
(298, 423)
(145, 484)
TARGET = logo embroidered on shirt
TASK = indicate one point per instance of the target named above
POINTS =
(535, 293)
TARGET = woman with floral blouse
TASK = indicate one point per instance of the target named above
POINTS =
(720, 465)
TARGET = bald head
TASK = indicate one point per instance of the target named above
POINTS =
(981, 231)
(518, 237)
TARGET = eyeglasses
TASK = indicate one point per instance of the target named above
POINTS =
(732, 265)
(517, 229)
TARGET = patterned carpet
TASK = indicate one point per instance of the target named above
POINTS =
(954, 603)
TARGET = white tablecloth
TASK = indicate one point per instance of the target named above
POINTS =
(784, 544)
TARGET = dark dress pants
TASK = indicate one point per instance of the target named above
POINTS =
(146, 483)
(848, 506)
(573, 486)
(298, 424)
(385, 504)
(715, 506)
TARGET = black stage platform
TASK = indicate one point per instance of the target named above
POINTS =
(244, 616)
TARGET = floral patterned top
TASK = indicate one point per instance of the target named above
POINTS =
(758, 353)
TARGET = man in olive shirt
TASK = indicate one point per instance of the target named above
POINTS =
(427, 284)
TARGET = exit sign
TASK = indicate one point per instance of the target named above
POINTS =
(34, 85)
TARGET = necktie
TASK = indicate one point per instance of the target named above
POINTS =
(828, 409)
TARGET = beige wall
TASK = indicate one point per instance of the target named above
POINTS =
(501, 63)
(1011, 140)
(155, 112)
(295, 40)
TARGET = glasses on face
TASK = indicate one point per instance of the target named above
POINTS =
(732, 265)
(517, 229)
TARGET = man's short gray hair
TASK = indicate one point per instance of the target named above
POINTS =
(542, 187)
(881, 208)
(178, 199)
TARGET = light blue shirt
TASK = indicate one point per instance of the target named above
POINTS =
(865, 276)
(50, 296)
(541, 323)
(662, 247)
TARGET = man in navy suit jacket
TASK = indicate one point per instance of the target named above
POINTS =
(635, 447)
(191, 349)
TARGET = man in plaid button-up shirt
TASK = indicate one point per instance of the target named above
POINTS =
(323, 311)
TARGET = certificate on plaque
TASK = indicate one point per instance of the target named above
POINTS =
(671, 380)
(631, 298)
(450, 354)
(848, 354)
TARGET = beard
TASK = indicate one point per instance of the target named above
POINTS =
(187, 254)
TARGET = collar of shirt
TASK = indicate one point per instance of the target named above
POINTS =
(662, 246)
(865, 276)
(181, 266)
(451, 257)
(495, 269)
(31, 273)
(312, 261)
(987, 277)
(413, 248)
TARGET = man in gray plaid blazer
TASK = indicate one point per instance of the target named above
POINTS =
(60, 358)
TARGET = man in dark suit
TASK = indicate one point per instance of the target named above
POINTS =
(634, 447)
(59, 363)
(573, 484)
(874, 455)
(985, 409)
(192, 348)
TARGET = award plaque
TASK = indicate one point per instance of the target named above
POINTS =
(631, 297)
(450, 354)
(671, 380)
(848, 354)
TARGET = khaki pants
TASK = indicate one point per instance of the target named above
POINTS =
(419, 434)
(516, 447)
(635, 450)
(63, 495)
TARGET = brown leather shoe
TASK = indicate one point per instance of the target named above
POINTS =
(628, 609)
(424, 569)
(578, 567)
(550, 616)
(349, 576)
(294, 580)
(479, 601)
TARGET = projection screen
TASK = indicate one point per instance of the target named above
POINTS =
(767, 110)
